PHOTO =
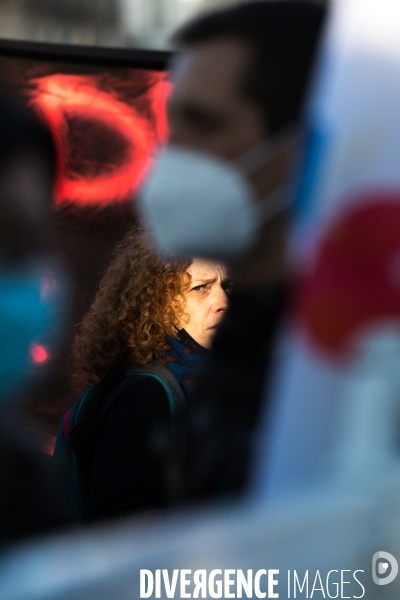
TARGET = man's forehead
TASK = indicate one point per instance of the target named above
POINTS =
(210, 67)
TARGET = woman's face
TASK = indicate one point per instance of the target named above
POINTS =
(206, 300)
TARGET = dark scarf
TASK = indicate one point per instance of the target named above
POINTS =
(184, 358)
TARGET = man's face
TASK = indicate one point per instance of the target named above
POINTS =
(206, 300)
(207, 110)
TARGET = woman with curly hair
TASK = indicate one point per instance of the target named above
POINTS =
(148, 329)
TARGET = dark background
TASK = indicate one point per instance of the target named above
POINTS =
(85, 234)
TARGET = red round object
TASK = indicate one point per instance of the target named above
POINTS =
(355, 283)
(62, 98)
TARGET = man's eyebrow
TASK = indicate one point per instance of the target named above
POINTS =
(199, 114)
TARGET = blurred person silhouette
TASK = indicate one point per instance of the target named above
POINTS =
(28, 504)
(136, 355)
(240, 80)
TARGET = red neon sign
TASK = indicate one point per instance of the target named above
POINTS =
(69, 101)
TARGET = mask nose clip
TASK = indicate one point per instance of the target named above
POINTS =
(266, 151)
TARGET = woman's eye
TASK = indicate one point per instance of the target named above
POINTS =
(199, 288)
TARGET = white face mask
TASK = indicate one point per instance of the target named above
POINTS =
(199, 205)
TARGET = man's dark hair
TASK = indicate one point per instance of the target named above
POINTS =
(284, 35)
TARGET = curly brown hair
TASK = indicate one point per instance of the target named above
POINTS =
(138, 305)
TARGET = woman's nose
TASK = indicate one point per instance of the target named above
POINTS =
(221, 300)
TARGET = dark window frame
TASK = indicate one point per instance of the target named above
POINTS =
(156, 60)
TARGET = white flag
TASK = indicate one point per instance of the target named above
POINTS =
(337, 385)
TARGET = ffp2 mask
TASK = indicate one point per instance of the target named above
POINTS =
(199, 205)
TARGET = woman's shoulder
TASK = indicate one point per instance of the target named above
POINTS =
(130, 389)
(138, 408)
(137, 388)
(123, 400)
(123, 391)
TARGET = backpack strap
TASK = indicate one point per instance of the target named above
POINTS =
(89, 407)
(71, 417)
(176, 399)
(66, 429)
(173, 455)
(174, 391)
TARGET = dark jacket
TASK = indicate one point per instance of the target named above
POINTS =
(225, 410)
(126, 453)
(118, 452)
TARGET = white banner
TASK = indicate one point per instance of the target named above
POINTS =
(338, 384)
